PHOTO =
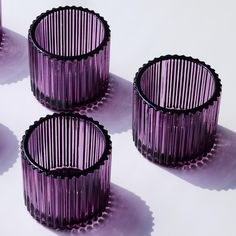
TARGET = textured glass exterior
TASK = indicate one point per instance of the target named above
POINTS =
(66, 161)
(69, 51)
(175, 109)
(1, 33)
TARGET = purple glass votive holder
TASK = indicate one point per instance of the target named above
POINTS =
(175, 109)
(69, 51)
(1, 22)
(66, 161)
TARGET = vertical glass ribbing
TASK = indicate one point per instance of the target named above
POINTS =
(175, 109)
(66, 162)
(1, 22)
(69, 50)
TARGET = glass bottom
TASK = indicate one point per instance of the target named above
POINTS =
(60, 105)
(62, 223)
(168, 160)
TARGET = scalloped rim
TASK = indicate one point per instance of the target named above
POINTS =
(105, 156)
(216, 95)
(100, 47)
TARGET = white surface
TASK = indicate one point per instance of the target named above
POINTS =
(152, 200)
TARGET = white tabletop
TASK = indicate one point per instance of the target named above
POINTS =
(150, 200)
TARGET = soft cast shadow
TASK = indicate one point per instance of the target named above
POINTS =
(128, 216)
(8, 149)
(217, 171)
(116, 111)
(13, 58)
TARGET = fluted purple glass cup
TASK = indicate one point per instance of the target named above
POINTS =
(66, 161)
(175, 109)
(69, 51)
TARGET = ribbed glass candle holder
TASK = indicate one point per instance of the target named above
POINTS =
(66, 161)
(69, 50)
(1, 33)
(175, 109)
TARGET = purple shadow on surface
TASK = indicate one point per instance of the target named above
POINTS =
(116, 111)
(128, 216)
(13, 57)
(8, 148)
(217, 171)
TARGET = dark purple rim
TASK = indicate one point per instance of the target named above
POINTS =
(214, 97)
(91, 169)
(107, 34)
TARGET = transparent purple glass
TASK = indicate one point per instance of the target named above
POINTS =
(69, 51)
(175, 109)
(66, 161)
(1, 22)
